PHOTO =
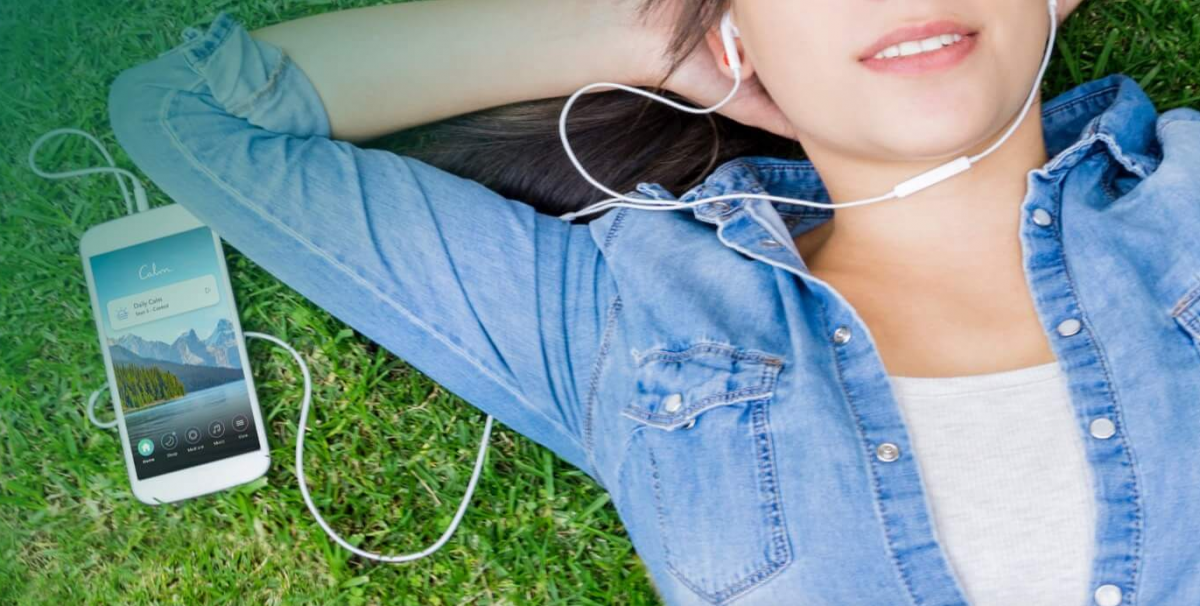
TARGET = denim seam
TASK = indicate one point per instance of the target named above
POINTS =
(623, 463)
(1132, 164)
(165, 124)
(1107, 90)
(1118, 413)
(1106, 178)
(589, 413)
(1184, 303)
(672, 421)
(880, 506)
(1070, 156)
(1186, 313)
(247, 104)
(616, 225)
(198, 55)
(698, 347)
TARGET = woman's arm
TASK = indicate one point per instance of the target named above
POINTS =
(502, 305)
(386, 68)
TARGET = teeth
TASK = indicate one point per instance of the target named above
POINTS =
(913, 47)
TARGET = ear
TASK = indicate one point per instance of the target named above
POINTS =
(717, 48)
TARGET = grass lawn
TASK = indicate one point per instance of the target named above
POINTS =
(390, 451)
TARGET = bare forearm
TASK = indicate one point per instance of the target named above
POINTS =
(385, 68)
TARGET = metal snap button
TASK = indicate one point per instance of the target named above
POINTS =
(1103, 428)
(1107, 595)
(1042, 217)
(673, 402)
(770, 243)
(841, 335)
(1069, 327)
(887, 452)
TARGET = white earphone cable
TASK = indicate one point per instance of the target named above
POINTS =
(305, 403)
(139, 193)
(906, 188)
(312, 508)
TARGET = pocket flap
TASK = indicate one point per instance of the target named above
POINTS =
(1187, 312)
(675, 386)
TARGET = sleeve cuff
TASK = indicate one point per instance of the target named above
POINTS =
(255, 80)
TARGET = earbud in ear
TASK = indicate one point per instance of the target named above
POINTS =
(729, 32)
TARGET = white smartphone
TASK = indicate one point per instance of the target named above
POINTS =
(175, 355)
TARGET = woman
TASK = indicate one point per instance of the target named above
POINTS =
(1033, 322)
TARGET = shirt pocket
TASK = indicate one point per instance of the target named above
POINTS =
(704, 449)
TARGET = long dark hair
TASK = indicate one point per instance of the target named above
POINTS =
(622, 139)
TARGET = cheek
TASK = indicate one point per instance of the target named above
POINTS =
(807, 81)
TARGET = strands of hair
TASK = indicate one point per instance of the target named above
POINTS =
(622, 139)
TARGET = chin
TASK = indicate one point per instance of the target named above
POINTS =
(939, 136)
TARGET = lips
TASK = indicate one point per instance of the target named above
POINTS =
(918, 32)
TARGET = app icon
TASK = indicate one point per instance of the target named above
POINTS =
(192, 435)
(240, 423)
(169, 440)
(145, 447)
(216, 429)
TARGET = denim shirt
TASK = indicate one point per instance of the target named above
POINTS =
(733, 405)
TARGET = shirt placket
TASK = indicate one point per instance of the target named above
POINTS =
(750, 226)
(1119, 511)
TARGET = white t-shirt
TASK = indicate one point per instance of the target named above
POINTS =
(1002, 459)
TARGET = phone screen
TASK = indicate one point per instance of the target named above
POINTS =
(167, 326)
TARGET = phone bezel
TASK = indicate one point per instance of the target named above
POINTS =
(201, 479)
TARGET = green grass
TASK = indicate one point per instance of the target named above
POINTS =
(390, 451)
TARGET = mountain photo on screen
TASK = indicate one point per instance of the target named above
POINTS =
(151, 372)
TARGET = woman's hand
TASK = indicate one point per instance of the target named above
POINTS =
(698, 78)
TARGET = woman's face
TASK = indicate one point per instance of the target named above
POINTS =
(806, 54)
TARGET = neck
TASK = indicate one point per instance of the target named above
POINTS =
(966, 222)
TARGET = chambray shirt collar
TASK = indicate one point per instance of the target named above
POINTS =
(1113, 112)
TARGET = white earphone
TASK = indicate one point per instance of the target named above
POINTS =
(729, 34)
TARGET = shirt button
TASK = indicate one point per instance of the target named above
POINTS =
(887, 452)
(1042, 218)
(1103, 428)
(1069, 327)
(1107, 595)
(770, 243)
(841, 335)
(673, 402)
